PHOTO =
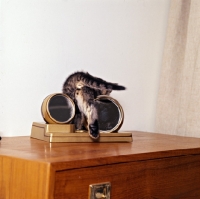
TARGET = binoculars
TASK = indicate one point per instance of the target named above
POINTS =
(59, 108)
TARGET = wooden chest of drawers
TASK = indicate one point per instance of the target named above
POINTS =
(152, 166)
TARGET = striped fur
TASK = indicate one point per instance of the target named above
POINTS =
(83, 88)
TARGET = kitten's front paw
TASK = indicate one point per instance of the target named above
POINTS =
(94, 130)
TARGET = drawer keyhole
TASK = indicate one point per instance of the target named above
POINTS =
(99, 191)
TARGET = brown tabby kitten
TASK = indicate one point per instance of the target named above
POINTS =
(83, 88)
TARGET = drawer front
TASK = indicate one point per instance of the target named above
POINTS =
(177, 177)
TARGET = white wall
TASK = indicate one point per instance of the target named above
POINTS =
(43, 41)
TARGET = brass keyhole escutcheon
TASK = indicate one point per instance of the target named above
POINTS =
(99, 191)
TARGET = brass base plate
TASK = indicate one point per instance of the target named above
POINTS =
(66, 133)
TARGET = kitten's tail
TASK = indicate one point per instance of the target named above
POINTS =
(118, 87)
(98, 83)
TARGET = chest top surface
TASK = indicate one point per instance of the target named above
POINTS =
(145, 146)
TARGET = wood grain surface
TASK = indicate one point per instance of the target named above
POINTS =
(161, 178)
(31, 168)
(24, 179)
(144, 146)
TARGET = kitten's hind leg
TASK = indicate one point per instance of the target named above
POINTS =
(79, 122)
